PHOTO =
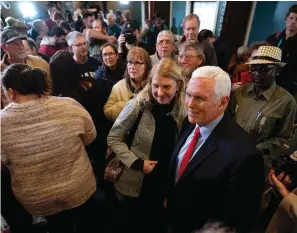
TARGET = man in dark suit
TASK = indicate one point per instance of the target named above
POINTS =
(216, 172)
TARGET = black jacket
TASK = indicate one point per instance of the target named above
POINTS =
(288, 75)
(107, 78)
(224, 181)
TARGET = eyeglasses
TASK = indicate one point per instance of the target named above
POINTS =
(136, 63)
(187, 57)
(166, 42)
(108, 54)
(81, 45)
(262, 68)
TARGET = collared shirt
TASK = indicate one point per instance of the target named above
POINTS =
(114, 31)
(268, 117)
(155, 58)
(205, 131)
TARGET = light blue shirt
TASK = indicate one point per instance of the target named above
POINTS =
(205, 131)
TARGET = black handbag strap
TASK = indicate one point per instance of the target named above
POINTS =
(132, 131)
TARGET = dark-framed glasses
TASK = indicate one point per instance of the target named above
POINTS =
(262, 68)
(108, 54)
(136, 63)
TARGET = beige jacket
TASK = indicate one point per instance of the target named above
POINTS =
(285, 218)
(117, 100)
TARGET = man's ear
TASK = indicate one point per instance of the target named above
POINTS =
(225, 101)
(3, 47)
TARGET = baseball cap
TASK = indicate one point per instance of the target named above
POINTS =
(130, 26)
(10, 35)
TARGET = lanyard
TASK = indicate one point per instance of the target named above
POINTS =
(280, 42)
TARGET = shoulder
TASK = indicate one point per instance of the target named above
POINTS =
(36, 60)
(130, 110)
(283, 93)
(272, 37)
(65, 101)
(120, 84)
(243, 90)
(233, 139)
(94, 61)
(99, 72)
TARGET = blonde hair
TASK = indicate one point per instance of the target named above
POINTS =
(168, 68)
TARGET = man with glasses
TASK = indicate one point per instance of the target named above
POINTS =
(15, 52)
(191, 24)
(190, 57)
(262, 108)
(79, 47)
(165, 47)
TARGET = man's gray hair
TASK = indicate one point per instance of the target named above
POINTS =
(222, 86)
(165, 33)
(71, 37)
(189, 17)
(37, 24)
(192, 45)
(111, 14)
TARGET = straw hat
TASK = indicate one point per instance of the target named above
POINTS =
(268, 55)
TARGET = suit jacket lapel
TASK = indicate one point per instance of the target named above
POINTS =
(181, 141)
(203, 153)
(208, 147)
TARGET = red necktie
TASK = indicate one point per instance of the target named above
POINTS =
(189, 152)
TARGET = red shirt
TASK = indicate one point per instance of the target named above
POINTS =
(49, 50)
(243, 77)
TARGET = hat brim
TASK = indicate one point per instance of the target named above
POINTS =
(261, 61)
(16, 38)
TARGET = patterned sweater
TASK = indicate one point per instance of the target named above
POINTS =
(43, 145)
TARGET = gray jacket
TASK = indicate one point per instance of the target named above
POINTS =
(130, 182)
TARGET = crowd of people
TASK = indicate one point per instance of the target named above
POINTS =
(108, 127)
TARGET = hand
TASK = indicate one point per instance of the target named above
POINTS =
(121, 39)
(111, 39)
(148, 166)
(276, 183)
(237, 85)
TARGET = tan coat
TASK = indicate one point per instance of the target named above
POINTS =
(285, 218)
(117, 100)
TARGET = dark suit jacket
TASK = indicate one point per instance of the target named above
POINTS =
(223, 182)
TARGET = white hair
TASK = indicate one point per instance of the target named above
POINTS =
(111, 14)
(222, 86)
(71, 37)
(165, 33)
